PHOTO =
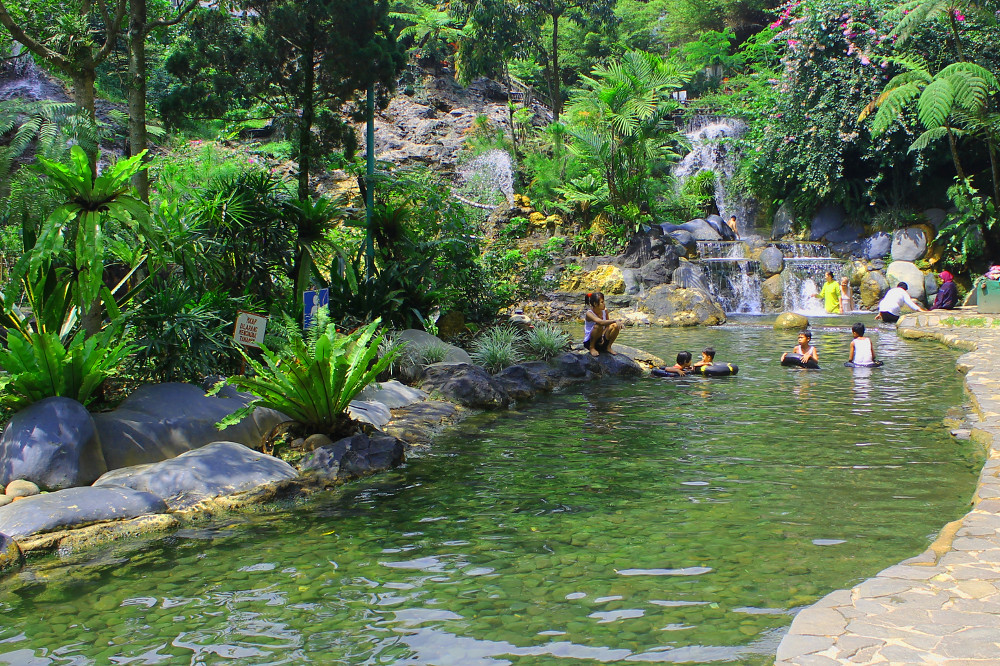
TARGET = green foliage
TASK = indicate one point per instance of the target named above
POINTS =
(39, 366)
(546, 341)
(516, 228)
(974, 220)
(497, 348)
(313, 384)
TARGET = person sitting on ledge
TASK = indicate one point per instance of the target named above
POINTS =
(599, 332)
(891, 305)
(947, 296)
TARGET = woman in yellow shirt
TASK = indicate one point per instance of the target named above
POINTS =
(830, 293)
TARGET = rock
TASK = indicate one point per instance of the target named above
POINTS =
(219, 468)
(689, 276)
(521, 321)
(417, 339)
(20, 488)
(632, 317)
(10, 553)
(618, 365)
(784, 221)
(936, 217)
(633, 281)
(772, 261)
(686, 240)
(878, 245)
(701, 230)
(930, 286)
(846, 235)
(468, 385)
(909, 244)
(524, 380)
(160, 421)
(642, 248)
(658, 271)
(873, 288)
(772, 290)
(451, 324)
(826, 219)
(790, 320)
(5, 500)
(52, 443)
(605, 278)
(74, 507)
(373, 413)
(905, 271)
(671, 305)
(367, 455)
(856, 272)
(325, 460)
(392, 394)
(316, 441)
(721, 227)
(416, 425)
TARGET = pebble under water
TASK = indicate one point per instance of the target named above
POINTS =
(675, 521)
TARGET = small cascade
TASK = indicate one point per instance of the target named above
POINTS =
(803, 250)
(733, 278)
(488, 179)
(712, 150)
(20, 78)
(806, 266)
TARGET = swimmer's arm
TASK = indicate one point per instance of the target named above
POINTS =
(850, 359)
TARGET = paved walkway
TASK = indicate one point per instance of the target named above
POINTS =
(942, 606)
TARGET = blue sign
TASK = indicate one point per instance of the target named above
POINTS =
(313, 301)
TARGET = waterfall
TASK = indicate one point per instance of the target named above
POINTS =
(488, 179)
(712, 149)
(734, 280)
(20, 78)
(803, 276)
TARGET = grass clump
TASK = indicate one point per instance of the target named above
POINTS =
(546, 341)
(497, 348)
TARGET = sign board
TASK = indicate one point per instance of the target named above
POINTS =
(249, 330)
(313, 301)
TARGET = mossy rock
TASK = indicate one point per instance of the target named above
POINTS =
(790, 320)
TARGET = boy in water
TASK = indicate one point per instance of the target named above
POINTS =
(862, 348)
(804, 349)
(707, 357)
(683, 364)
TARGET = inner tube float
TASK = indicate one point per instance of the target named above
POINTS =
(663, 372)
(717, 370)
(795, 361)
(851, 364)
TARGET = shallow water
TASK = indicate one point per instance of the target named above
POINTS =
(679, 521)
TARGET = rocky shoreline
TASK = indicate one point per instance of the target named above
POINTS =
(164, 473)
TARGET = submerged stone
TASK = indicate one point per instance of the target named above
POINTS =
(74, 507)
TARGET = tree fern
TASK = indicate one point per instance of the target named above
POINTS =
(935, 102)
(927, 138)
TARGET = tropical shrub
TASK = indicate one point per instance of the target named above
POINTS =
(497, 348)
(39, 366)
(313, 384)
(545, 341)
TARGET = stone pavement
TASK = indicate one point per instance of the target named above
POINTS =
(942, 606)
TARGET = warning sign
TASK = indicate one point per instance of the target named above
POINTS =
(249, 330)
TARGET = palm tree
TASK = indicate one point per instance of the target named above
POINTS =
(622, 120)
(431, 27)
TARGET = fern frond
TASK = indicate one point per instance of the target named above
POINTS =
(891, 106)
(935, 103)
(927, 138)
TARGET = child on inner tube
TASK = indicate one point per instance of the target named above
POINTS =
(683, 364)
(804, 349)
(707, 357)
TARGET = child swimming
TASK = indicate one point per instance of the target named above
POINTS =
(862, 348)
(707, 357)
(599, 332)
(804, 349)
(683, 365)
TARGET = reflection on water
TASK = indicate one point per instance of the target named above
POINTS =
(674, 521)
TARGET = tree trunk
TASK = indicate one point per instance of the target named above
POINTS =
(555, 90)
(83, 97)
(959, 171)
(138, 141)
(307, 98)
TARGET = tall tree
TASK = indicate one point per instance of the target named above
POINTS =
(74, 37)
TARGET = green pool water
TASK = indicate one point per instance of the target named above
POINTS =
(677, 521)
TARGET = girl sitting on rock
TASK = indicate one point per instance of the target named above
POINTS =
(599, 332)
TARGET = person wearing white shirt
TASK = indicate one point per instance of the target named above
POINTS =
(891, 305)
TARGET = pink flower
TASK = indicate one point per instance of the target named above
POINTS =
(959, 16)
(864, 60)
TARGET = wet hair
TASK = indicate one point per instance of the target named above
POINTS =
(683, 358)
(903, 285)
(858, 328)
(593, 297)
(806, 332)
(709, 352)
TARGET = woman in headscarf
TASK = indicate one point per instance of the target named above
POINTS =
(947, 296)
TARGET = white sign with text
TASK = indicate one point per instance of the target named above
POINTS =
(249, 330)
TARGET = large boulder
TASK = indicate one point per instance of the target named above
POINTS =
(790, 320)
(845, 235)
(701, 230)
(671, 305)
(878, 245)
(772, 291)
(468, 385)
(219, 468)
(524, 380)
(905, 271)
(826, 220)
(658, 271)
(370, 412)
(52, 443)
(633, 281)
(160, 421)
(772, 261)
(416, 339)
(909, 244)
(647, 246)
(75, 507)
(784, 220)
(721, 227)
(688, 275)
(606, 278)
(936, 217)
(930, 286)
(392, 394)
(873, 288)
(686, 240)
(10, 553)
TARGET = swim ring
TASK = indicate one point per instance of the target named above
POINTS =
(876, 364)
(795, 361)
(663, 372)
(717, 369)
